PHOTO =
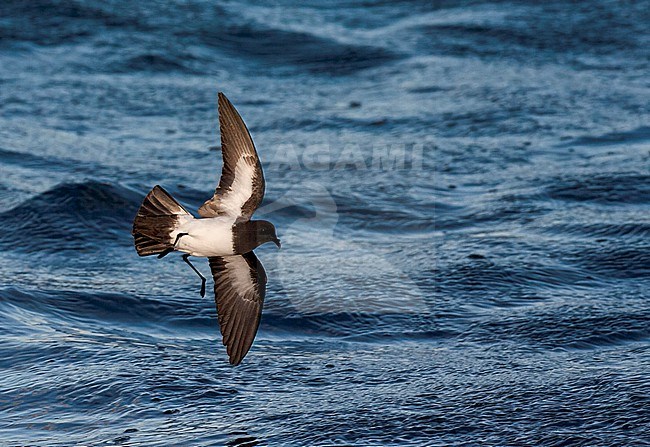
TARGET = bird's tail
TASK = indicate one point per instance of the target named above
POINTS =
(156, 221)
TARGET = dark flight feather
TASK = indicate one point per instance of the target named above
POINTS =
(239, 290)
(236, 147)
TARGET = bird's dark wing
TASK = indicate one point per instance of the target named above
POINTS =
(241, 187)
(239, 289)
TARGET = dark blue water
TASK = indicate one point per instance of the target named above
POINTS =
(462, 190)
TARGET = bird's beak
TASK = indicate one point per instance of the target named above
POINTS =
(276, 241)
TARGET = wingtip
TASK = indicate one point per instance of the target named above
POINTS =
(234, 361)
(225, 106)
(233, 358)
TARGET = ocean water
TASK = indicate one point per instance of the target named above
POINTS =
(462, 190)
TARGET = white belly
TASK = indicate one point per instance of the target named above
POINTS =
(206, 237)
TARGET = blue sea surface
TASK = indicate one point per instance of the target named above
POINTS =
(462, 190)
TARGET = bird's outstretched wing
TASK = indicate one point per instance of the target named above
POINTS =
(241, 187)
(239, 289)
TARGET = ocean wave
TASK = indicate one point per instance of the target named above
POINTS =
(478, 274)
(50, 22)
(636, 135)
(154, 63)
(619, 188)
(203, 26)
(385, 221)
(94, 307)
(573, 327)
(547, 32)
(313, 53)
(354, 326)
(170, 314)
(71, 216)
(640, 230)
(612, 260)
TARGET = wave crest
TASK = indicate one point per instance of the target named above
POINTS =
(71, 216)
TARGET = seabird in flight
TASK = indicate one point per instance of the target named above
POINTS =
(224, 234)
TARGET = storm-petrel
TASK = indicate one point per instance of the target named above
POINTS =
(224, 234)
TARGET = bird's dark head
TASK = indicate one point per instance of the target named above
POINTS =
(250, 235)
(265, 232)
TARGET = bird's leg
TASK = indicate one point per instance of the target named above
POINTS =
(187, 261)
(169, 250)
